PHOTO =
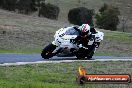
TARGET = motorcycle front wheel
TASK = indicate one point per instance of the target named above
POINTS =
(47, 51)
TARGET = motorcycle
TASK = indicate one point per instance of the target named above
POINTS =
(64, 44)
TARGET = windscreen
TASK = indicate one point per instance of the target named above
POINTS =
(71, 31)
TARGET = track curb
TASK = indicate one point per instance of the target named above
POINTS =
(62, 61)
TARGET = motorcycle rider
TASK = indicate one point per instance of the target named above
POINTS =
(85, 34)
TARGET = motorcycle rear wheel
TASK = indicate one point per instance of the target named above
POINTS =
(80, 54)
(47, 51)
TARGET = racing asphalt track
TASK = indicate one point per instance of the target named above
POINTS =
(21, 59)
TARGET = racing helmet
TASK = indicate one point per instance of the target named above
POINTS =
(84, 29)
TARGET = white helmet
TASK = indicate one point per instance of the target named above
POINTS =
(84, 29)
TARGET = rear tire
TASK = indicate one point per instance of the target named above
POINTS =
(90, 55)
(80, 54)
(47, 51)
(91, 52)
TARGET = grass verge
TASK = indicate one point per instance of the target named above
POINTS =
(60, 75)
(31, 51)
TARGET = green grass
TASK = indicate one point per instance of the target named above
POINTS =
(61, 75)
(31, 51)
(115, 44)
(119, 36)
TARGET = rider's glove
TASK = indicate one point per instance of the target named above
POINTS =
(80, 46)
(72, 41)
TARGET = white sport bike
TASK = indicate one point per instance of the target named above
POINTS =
(63, 44)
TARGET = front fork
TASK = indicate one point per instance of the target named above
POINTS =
(57, 47)
(57, 50)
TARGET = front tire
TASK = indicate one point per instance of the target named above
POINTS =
(47, 51)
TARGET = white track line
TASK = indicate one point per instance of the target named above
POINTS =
(62, 61)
